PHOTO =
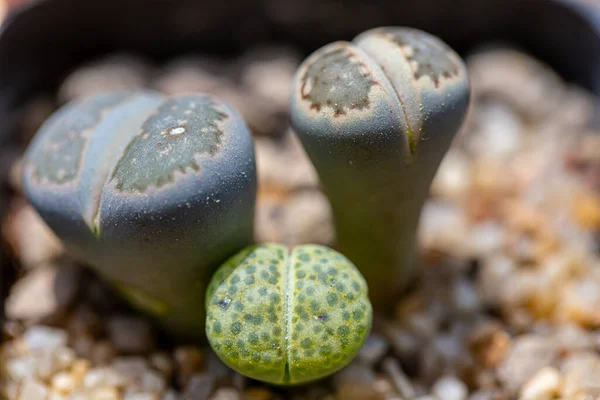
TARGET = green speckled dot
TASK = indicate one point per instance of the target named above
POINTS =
(292, 322)
(236, 328)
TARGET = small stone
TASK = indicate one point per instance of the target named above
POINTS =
(34, 390)
(262, 118)
(170, 395)
(199, 387)
(271, 219)
(512, 76)
(188, 361)
(217, 368)
(453, 177)
(441, 354)
(141, 396)
(450, 388)
(116, 72)
(163, 364)
(64, 357)
(484, 395)
(107, 393)
(316, 224)
(84, 321)
(443, 227)
(130, 367)
(400, 380)
(355, 372)
(545, 384)
(30, 238)
(498, 131)
(423, 324)
(239, 381)
(356, 382)
(44, 339)
(152, 382)
(586, 210)
(63, 383)
(9, 390)
(572, 338)
(191, 74)
(404, 343)
(269, 72)
(373, 349)
(131, 335)
(494, 277)
(258, 394)
(43, 293)
(528, 354)
(46, 366)
(79, 370)
(226, 394)
(580, 302)
(282, 165)
(3, 9)
(83, 345)
(581, 374)
(103, 352)
(104, 377)
(19, 369)
(487, 238)
(489, 344)
(465, 297)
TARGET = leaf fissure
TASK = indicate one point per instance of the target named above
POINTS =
(288, 290)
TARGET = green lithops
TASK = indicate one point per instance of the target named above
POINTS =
(287, 317)
(155, 192)
(376, 116)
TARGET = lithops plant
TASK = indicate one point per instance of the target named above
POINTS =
(376, 116)
(153, 191)
(287, 317)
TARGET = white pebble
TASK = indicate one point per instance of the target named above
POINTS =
(543, 385)
(453, 176)
(99, 377)
(43, 338)
(450, 388)
(63, 383)
(140, 396)
(33, 390)
(21, 368)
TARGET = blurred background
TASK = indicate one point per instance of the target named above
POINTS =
(507, 303)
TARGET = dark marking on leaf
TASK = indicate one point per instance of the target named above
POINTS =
(432, 58)
(182, 130)
(337, 80)
(58, 156)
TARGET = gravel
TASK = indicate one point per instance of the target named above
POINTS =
(506, 305)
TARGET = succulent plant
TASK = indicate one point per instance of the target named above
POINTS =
(287, 317)
(154, 192)
(376, 116)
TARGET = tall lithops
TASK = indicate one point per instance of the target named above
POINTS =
(376, 116)
(287, 316)
(152, 191)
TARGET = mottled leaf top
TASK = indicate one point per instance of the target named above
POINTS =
(172, 139)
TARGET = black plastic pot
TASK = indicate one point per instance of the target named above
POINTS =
(42, 42)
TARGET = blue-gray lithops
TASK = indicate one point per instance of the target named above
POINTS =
(376, 116)
(287, 317)
(153, 191)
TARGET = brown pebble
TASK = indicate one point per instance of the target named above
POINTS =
(131, 335)
(188, 360)
(489, 344)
